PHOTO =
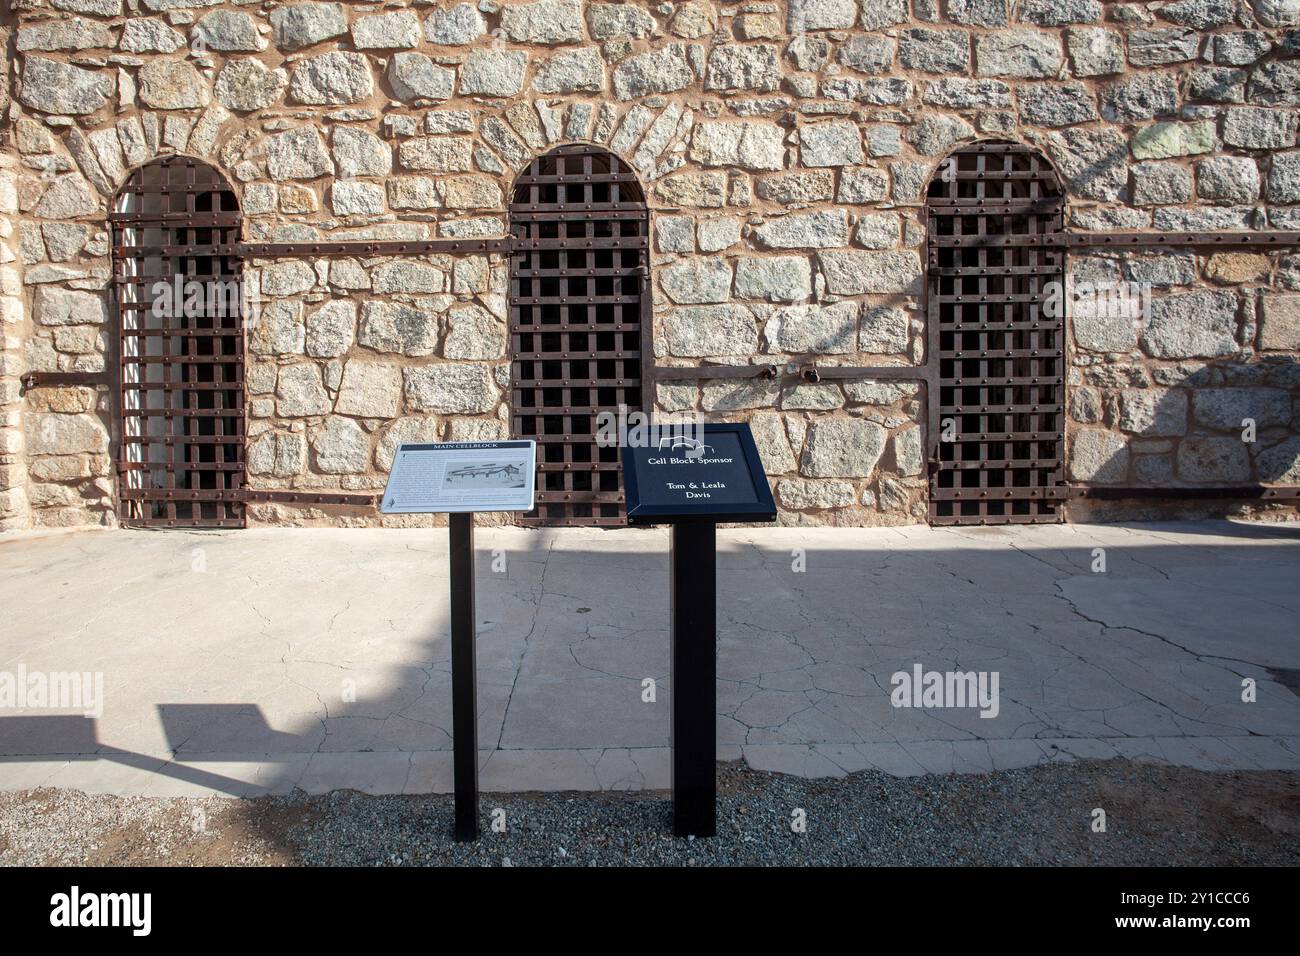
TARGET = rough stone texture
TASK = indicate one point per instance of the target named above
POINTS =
(298, 25)
(883, 330)
(828, 329)
(842, 448)
(493, 73)
(855, 273)
(1280, 323)
(703, 330)
(1093, 162)
(340, 447)
(399, 328)
(1160, 184)
(784, 152)
(1259, 128)
(749, 145)
(1192, 325)
(172, 85)
(331, 329)
(1098, 456)
(546, 22)
(1233, 179)
(414, 76)
(696, 281)
(227, 31)
(571, 71)
(935, 51)
(248, 84)
(370, 389)
(1017, 53)
(814, 230)
(450, 388)
(1163, 140)
(55, 87)
(1210, 459)
(331, 79)
(399, 30)
(663, 71)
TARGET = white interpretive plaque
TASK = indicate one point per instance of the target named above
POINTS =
(458, 477)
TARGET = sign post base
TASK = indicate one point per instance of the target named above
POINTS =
(694, 669)
(464, 694)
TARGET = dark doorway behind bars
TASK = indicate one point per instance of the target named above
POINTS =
(1001, 355)
(579, 325)
(175, 223)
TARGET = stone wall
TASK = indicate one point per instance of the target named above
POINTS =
(784, 148)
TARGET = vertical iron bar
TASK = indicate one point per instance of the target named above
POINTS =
(464, 702)
(694, 669)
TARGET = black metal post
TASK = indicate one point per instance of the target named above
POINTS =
(694, 669)
(464, 697)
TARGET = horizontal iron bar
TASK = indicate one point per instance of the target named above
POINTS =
(182, 523)
(579, 497)
(1000, 409)
(413, 247)
(55, 379)
(542, 179)
(1266, 492)
(686, 373)
(574, 355)
(998, 437)
(176, 220)
(305, 497)
(182, 440)
(578, 466)
(610, 242)
(246, 494)
(558, 383)
(183, 413)
(967, 272)
(1044, 518)
(994, 494)
(1092, 239)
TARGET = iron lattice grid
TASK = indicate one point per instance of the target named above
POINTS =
(181, 391)
(1001, 355)
(579, 325)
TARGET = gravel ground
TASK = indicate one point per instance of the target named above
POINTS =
(1040, 816)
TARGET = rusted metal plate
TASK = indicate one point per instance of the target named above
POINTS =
(996, 409)
(579, 328)
(180, 403)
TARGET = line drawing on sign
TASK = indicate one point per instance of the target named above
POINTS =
(485, 474)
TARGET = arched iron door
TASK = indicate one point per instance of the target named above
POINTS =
(997, 457)
(175, 224)
(579, 325)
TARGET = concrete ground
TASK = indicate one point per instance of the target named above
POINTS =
(261, 661)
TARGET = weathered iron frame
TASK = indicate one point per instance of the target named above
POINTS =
(542, 198)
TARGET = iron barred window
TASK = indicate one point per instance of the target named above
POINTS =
(176, 271)
(578, 325)
(1001, 351)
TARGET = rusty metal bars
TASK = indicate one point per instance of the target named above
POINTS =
(578, 330)
(997, 415)
(181, 348)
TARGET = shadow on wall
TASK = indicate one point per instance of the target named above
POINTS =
(1202, 424)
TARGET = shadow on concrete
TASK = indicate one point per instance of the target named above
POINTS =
(201, 733)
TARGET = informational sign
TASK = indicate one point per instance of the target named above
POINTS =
(458, 477)
(697, 474)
